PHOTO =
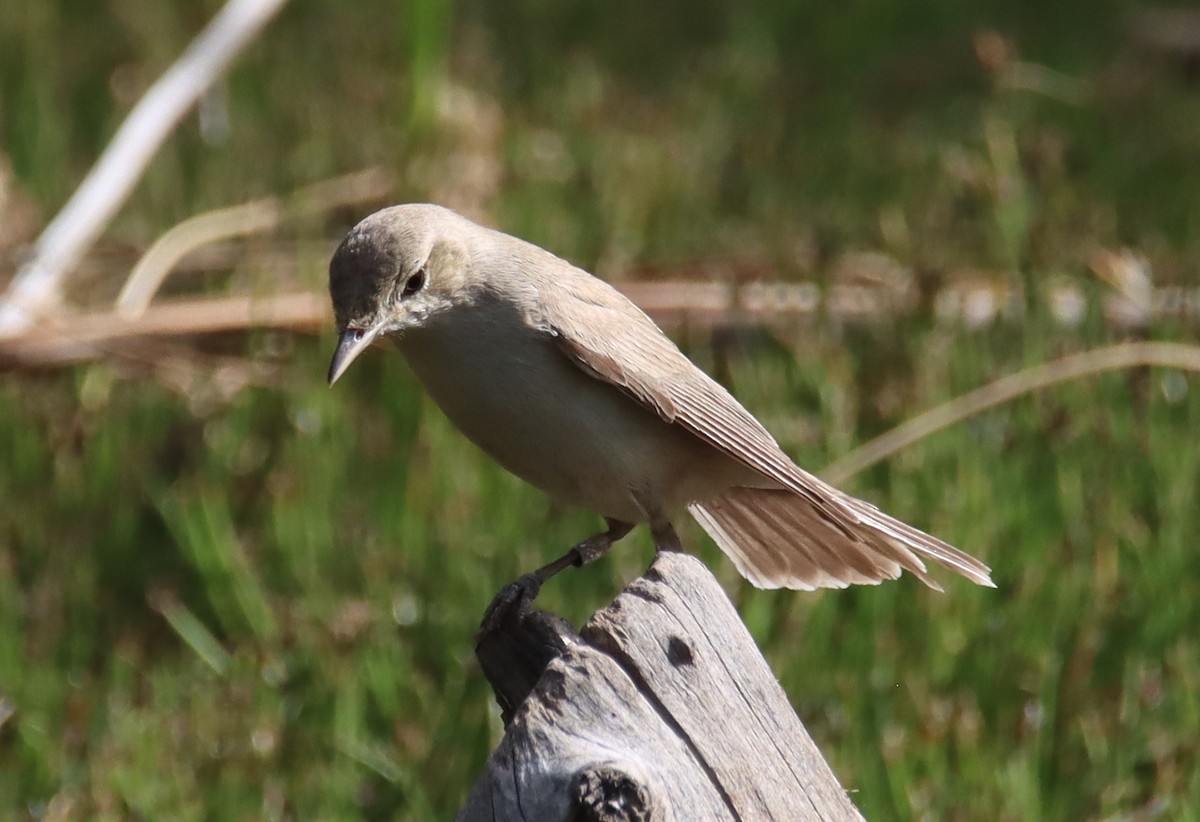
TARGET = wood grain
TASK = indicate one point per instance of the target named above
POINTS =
(663, 709)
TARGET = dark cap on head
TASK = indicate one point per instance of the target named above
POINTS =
(363, 266)
(393, 271)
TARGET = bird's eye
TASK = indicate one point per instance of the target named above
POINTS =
(413, 284)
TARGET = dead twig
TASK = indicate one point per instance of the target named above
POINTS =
(69, 339)
(68, 236)
(1112, 358)
(254, 217)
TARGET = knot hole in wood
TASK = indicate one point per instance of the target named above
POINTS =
(606, 793)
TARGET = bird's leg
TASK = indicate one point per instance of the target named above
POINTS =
(592, 548)
(665, 538)
(521, 592)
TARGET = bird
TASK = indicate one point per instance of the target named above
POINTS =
(567, 384)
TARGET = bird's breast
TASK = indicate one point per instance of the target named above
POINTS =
(517, 396)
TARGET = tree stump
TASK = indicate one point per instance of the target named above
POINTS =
(661, 709)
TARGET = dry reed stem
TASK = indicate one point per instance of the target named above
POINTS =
(257, 216)
(37, 286)
(63, 340)
(1005, 389)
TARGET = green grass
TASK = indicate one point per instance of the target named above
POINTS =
(264, 605)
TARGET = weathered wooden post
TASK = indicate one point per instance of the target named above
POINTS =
(662, 708)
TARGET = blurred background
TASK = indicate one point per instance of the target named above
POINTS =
(227, 592)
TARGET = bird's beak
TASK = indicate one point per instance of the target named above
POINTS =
(352, 343)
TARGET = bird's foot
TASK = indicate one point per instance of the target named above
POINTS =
(512, 602)
(515, 599)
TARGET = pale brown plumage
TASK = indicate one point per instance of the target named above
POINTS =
(491, 307)
(838, 539)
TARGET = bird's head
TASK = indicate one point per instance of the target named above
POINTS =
(396, 271)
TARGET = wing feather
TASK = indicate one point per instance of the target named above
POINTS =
(612, 340)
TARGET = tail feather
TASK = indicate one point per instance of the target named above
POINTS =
(778, 539)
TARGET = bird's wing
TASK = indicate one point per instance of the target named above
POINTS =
(611, 339)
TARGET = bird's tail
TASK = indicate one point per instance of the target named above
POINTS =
(779, 539)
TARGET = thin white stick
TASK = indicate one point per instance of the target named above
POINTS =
(65, 240)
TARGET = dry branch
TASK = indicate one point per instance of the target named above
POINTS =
(65, 339)
(258, 216)
(69, 235)
(1005, 389)
(661, 709)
